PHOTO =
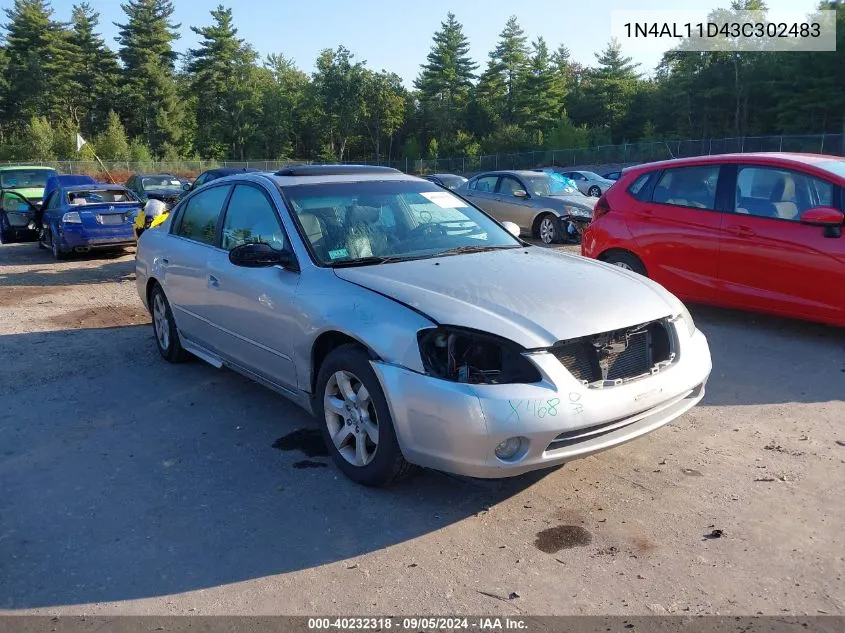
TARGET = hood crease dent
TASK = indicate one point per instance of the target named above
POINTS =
(532, 296)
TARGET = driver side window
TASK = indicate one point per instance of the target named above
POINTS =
(485, 184)
(250, 218)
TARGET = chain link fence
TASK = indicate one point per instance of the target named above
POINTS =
(607, 155)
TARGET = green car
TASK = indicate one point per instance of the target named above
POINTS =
(21, 190)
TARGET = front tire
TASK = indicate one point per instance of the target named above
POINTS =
(355, 419)
(594, 191)
(626, 260)
(164, 328)
(547, 229)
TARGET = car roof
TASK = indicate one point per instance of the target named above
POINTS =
(9, 167)
(445, 174)
(320, 174)
(777, 157)
(228, 171)
(510, 172)
(156, 175)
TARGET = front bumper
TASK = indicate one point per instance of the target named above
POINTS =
(77, 236)
(455, 427)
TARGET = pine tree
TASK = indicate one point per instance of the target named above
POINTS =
(445, 81)
(222, 70)
(151, 104)
(610, 87)
(541, 104)
(338, 99)
(500, 84)
(34, 49)
(95, 69)
(112, 144)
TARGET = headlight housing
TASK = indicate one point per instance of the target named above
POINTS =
(470, 356)
(686, 317)
(72, 217)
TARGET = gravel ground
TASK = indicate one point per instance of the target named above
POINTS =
(130, 486)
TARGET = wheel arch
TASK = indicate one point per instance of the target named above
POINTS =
(606, 254)
(325, 344)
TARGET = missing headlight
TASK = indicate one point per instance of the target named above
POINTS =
(473, 357)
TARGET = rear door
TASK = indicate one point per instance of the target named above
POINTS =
(187, 279)
(770, 261)
(252, 309)
(482, 191)
(677, 230)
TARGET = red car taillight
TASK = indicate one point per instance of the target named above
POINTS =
(602, 207)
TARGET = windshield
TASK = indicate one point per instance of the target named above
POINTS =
(346, 223)
(25, 178)
(451, 181)
(154, 183)
(551, 184)
(835, 167)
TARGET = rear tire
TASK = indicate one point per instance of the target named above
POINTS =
(347, 399)
(58, 255)
(594, 191)
(626, 260)
(164, 328)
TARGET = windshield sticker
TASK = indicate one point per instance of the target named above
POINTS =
(174, 182)
(444, 199)
(337, 254)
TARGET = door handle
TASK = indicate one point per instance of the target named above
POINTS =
(163, 261)
(213, 282)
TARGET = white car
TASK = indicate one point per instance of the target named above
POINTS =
(589, 183)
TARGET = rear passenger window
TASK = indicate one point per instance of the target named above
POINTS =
(485, 183)
(693, 187)
(201, 214)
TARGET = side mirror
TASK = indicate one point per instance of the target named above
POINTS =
(520, 193)
(511, 228)
(259, 255)
(823, 216)
(186, 186)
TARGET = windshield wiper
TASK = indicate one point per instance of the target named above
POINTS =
(459, 250)
(366, 261)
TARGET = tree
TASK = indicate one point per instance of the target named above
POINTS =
(498, 87)
(112, 144)
(445, 81)
(95, 70)
(223, 78)
(151, 107)
(338, 98)
(34, 49)
(384, 107)
(284, 131)
(541, 102)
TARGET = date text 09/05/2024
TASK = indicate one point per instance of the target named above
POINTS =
(418, 623)
(726, 29)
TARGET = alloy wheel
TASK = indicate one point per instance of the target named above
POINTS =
(351, 418)
(160, 322)
(623, 265)
(547, 230)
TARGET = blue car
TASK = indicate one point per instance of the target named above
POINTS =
(82, 217)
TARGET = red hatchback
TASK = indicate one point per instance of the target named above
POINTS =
(759, 232)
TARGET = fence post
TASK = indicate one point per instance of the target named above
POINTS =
(497, 161)
(821, 149)
(406, 164)
(463, 164)
(780, 147)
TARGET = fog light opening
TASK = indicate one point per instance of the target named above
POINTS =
(510, 448)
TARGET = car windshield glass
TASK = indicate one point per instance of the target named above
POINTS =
(452, 181)
(95, 196)
(591, 175)
(366, 222)
(153, 183)
(835, 167)
(550, 184)
(25, 178)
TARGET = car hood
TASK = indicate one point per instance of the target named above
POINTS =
(533, 296)
(575, 200)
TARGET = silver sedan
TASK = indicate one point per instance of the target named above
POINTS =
(416, 329)
(589, 183)
(542, 205)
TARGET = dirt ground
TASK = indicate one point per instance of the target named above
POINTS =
(130, 486)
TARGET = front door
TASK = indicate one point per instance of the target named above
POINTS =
(187, 280)
(768, 259)
(16, 213)
(677, 231)
(253, 308)
(511, 208)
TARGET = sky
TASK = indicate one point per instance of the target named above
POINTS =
(396, 35)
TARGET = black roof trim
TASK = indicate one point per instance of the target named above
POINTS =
(335, 170)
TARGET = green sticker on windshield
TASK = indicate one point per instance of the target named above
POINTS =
(337, 254)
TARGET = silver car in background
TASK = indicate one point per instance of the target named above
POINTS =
(414, 327)
(542, 206)
(589, 183)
